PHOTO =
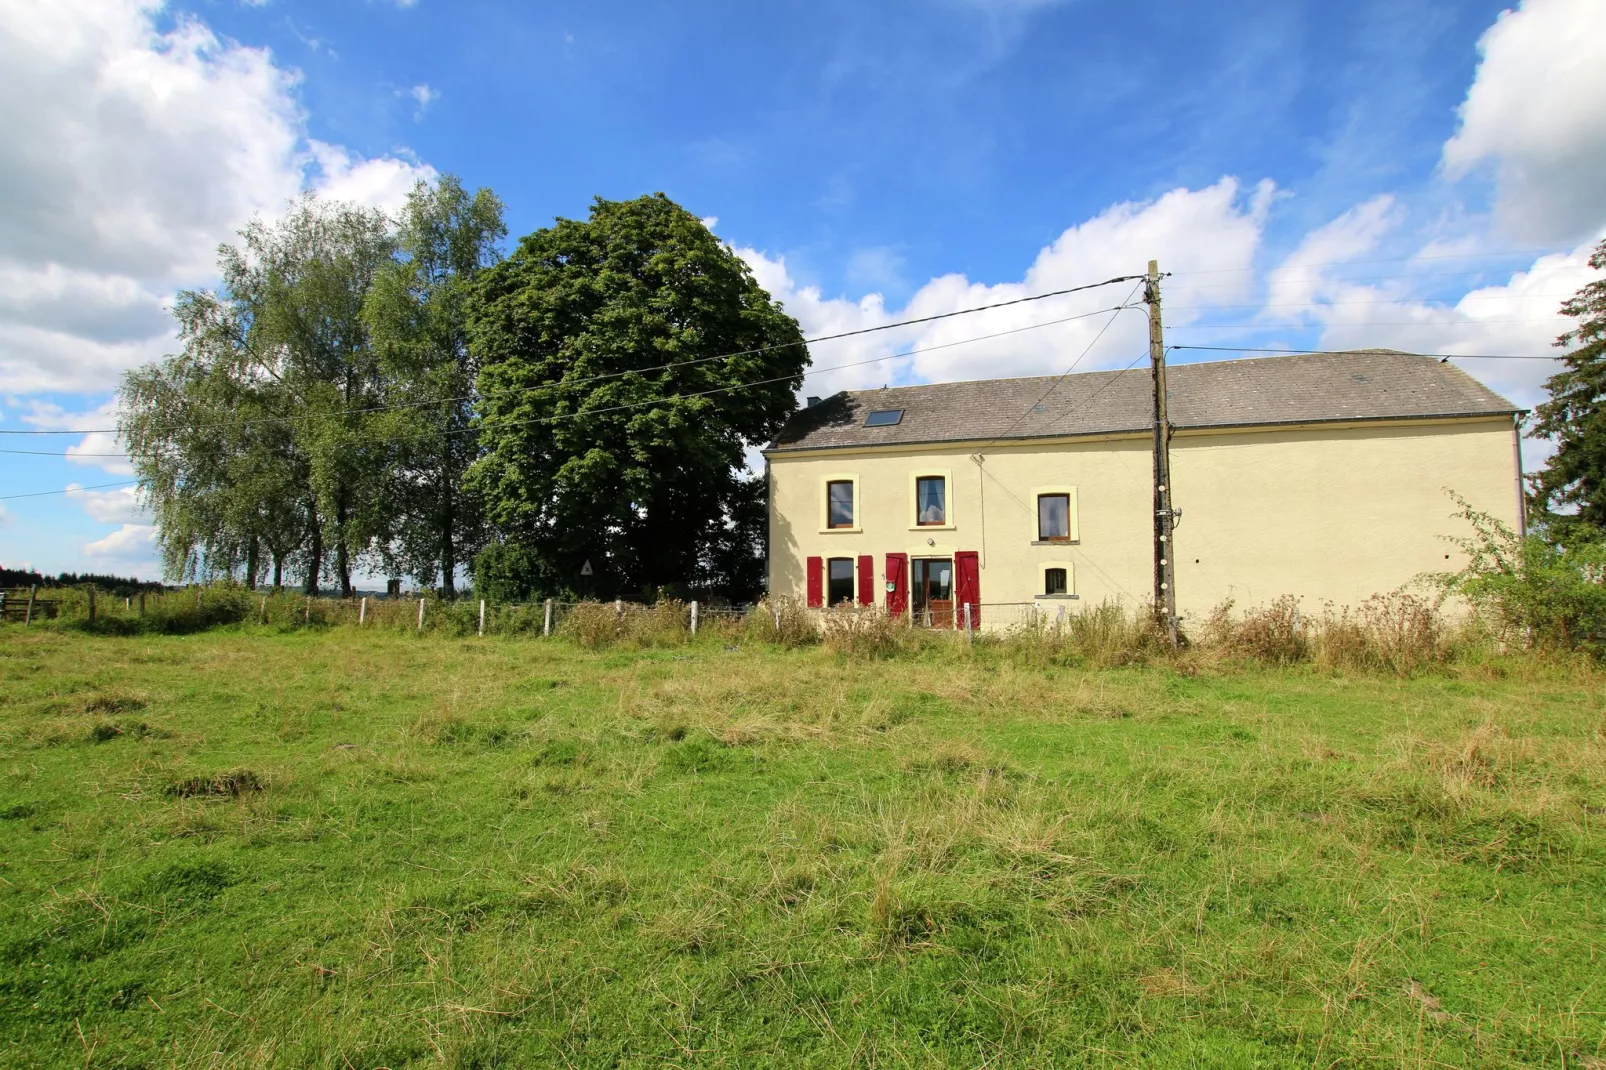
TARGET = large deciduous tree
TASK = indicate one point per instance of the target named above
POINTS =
(255, 437)
(609, 436)
(1568, 496)
(416, 314)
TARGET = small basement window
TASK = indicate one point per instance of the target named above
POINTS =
(839, 503)
(841, 581)
(884, 418)
(1054, 581)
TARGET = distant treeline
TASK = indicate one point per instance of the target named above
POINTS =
(16, 577)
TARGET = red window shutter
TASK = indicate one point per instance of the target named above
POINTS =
(967, 585)
(866, 580)
(816, 582)
(898, 576)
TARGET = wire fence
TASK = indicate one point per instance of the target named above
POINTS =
(592, 623)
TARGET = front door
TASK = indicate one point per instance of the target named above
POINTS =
(934, 591)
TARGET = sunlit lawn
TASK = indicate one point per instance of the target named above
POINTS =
(362, 850)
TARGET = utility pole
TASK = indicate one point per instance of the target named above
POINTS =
(1165, 585)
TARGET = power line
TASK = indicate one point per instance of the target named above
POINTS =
(1322, 352)
(1507, 254)
(1080, 357)
(698, 394)
(1342, 323)
(67, 490)
(654, 368)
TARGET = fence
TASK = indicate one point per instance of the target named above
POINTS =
(592, 623)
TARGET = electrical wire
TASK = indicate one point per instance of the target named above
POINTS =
(657, 367)
(1321, 352)
(67, 490)
(1507, 254)
(703, 393)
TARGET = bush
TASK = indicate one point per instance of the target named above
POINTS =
(1530, 591)
(863, 631)
(1105, 635)
(783, 621)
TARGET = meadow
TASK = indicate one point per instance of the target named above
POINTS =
(257, 846)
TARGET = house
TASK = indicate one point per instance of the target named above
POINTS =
(1322, 476)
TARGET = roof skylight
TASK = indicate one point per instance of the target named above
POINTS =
(884, 418)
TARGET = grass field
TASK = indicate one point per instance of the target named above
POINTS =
(361, 850)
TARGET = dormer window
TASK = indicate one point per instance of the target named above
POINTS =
(884, 418)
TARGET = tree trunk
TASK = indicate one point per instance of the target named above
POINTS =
(278, 570)
(251, 564)
(315, 564)
(342, 554)
(448, 552)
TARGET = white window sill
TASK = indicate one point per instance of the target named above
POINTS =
(1056, 542)
(933, 527)
(841, 531)
(1058, 597)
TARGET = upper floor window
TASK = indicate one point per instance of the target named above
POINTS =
(840, 577)
(839, 503)
(1054, 517)
(931, 500)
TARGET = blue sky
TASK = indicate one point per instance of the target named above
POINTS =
(1403, 173)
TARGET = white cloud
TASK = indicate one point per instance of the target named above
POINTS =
(1534, 111)
(5, 517)
(1215, 229)
(1518, 317)
(119, 506)
(423, 96)
(131, 544)
(98, 449)
(135, 152)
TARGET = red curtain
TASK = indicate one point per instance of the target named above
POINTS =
(866, 580)
(816, 582)
(898, 576)
(967, 585)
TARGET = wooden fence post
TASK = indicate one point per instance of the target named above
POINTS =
(694, 617)
(967, 623)
(306, 612)
(33, 590)
(420, 614)
(362, 612)
(618, 610)
(546, 627)
(128, 602)
(776, 608)
(482, 616)
(264, 608)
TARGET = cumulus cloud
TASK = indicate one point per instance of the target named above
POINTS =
(1214, 229)
(132, 546)
(138, 149)
(119, 506)
(97, 449)
(1534, 113)
(1519, 317)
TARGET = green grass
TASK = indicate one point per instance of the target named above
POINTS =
(362, 850)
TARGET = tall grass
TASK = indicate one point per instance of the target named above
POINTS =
(1401, 632)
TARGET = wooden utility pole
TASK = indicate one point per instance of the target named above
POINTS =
(1165, 585)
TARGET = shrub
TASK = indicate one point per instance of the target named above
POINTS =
(591, 624)
(863, 631)
(1531, 591)
(783, 621)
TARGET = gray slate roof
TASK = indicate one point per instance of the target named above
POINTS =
(1368, 384)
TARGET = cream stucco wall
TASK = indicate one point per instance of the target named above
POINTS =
(1331, 512)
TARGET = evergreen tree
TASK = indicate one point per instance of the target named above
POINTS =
(1568, 497)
